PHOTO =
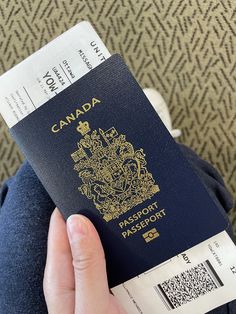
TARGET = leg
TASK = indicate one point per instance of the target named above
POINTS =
(24, 218)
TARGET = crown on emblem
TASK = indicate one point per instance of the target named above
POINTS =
(83, 127)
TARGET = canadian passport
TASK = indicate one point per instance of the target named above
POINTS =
(100, 149)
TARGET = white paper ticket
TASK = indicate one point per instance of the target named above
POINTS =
(196, 281)
(48, 71)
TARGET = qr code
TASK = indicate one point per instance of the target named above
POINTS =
(188, 285)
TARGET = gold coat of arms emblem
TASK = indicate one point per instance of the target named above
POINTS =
(114, 175)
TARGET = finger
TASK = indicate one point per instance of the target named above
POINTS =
(59, 273)
(91, 287)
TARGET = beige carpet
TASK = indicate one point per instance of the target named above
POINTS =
(185, 49)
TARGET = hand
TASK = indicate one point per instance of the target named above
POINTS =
(75, 279)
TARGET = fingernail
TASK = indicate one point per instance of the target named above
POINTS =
(77, 227)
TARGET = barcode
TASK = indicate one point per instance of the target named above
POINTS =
(188, 285)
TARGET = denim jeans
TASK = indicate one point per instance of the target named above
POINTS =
(25, 210)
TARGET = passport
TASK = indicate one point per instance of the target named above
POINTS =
(100, 149)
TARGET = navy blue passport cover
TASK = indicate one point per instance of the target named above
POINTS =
(100, 149)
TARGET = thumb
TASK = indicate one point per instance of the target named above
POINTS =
(91, 287)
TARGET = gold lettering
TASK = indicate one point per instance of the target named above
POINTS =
(73, 116)
(145, 211)
(94, 101)
(62, 124)
(155, 204)
(159, 215)
(163, 212)
(78, 112)
(70, 118)
(152, 206)
(124, 234)
(121, 224)
(129, 232)
(143, 223)
(153, 218)
(150, 218)
(54, 130)
(86, 107)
